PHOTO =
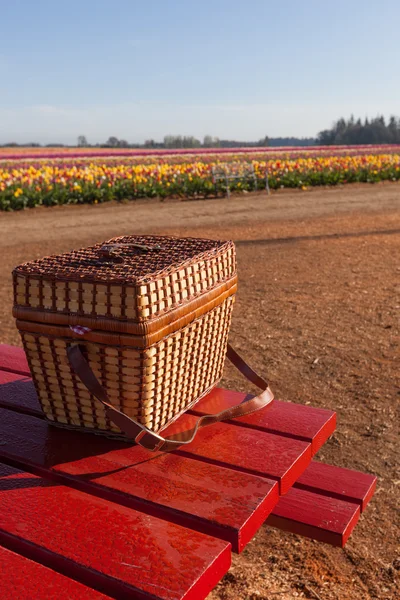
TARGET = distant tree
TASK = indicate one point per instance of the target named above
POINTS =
(394, 129)
(82, 141)
(123, 144)
(177, 141)
(353, 132)
(211, 142)
(263, 142)
(190, 142)
(290, 141)
(326, 137)
(168, 141)
(112, 141)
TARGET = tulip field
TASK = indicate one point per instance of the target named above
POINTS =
(70, 176)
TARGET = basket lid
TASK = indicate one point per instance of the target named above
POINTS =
(131, 259)
(130, 278)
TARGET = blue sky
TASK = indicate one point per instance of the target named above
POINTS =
(232, 69)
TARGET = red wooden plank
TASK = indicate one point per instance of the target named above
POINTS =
(13, 359)
(315, 516)
(18, 393)
(283, 417)
(313, 425)
(208, 498)
(23, 579)
(248, 450)
(9, 377)
(109, 547)
(344, 484)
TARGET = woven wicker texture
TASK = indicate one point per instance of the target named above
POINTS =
(153, 386)
(153, 314)
(129, 278)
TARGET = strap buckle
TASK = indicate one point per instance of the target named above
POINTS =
(154, 436)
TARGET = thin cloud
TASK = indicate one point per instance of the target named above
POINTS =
(48, 109)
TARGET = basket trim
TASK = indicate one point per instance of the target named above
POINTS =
(116, 339)
(182, 314)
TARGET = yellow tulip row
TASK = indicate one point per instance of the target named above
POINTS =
(54, 182)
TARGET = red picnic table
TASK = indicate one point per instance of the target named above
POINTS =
(82, 516)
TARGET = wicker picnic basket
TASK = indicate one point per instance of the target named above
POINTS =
(128, 334)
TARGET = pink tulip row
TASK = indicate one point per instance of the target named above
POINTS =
(25, 154)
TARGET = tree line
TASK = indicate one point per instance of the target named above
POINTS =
(176, 141)
(342, 132)
(369, 131)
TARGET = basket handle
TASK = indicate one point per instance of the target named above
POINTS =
(147, 438)
(110, 250)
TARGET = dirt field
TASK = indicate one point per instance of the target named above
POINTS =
(319, 278)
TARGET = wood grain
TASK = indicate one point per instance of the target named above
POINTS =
(122, 552)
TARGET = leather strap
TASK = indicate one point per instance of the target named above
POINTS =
(150, 440)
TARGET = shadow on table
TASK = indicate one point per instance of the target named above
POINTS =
(27, 438)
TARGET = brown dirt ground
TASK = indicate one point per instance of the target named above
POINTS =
(319, 277)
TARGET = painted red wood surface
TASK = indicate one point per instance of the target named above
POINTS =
(18, 393)
(252, 451)
(344, 484)
(247, 450)
(122, 552)
(24, 579)
(324, 503)
(315, 516)
(13, 359)
(170, 485)
(313, 425)
(208, 498)
(305, 423)
(282, 457)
